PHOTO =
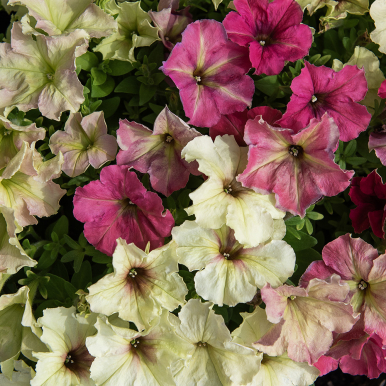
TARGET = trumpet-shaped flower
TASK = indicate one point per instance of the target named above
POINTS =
(12, 137)
(272, 30)
(134, 30)
(318, 90)
(222, 200)
(84, 142)
(26, 185)
(234, 124)
(378, 13)
(358, 265)
(305, 318)
(210, 72)
(120, 206)
(68, 362)
(68, 16)
(170, 22)
(228, 272)
(158, 152)
(369, 194)
(125, 357)
(18, 330)
(274, 371)
(41, 74)
(140, 286)
(214, 359)
(364, 58)
(12, 255)
(298, 168)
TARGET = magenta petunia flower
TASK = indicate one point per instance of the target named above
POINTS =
(234, 124)
(369, 194)
(298, 168)
(158, 152)
(272, 30)
(119, 206)
(357, 263)
(382, 90)
(210, 72)
(320, 89)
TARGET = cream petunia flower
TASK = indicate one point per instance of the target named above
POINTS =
(140, 286)
(69, 361)
(222, 200)
(378, 14)
(215, 360)
(230, 273)
(274, 371)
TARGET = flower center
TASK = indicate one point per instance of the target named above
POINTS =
(262, 43)
(78, 360)
(295, 150)
(127, 204)
(362, 285)
(69, 359)
(228, 190)
(168, 138)
(314, 99)
(198, 79)
(201, 344)
(133, 273)
(50, 76)
(7, 132)
(135, 343)
(226, 255)
(292, 297)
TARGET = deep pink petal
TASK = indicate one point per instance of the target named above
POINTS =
(326, 364)
(382, 90)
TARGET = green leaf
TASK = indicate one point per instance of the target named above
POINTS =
(293, 232)
(305, 241)
(356, 160)
(119, 67)
(351, 148)
(129, 85)
(270, 86)
(110, 106)
(78, 262)
(61, 227)
(59, 289)
(146, 93)
(99, 76)
(83, 277)
(183, 198)
(87, 61)
(45, 261)
(72, 255)
(315, 216)
(309, 226)
(72, 243)
(104, 89)
(100, 258)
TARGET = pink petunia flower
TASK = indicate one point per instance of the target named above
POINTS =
(119, 206)
(298, 168)
(320, 89)
(158, 152)
(357, 263)
(234, 124)
(210, 72)
(382, 90)
(369, 194)
(272, 30)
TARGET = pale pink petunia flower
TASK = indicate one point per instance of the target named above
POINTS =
(119, 206)
(272, 30)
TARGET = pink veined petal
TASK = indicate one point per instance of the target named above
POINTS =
(326, 364)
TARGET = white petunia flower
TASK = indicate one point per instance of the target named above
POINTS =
(222, 200)
(68, 363)
(141, 285)
(378, 14)
(215, 360)
(230, 273)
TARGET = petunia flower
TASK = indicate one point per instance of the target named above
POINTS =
(378, 13)
(170, 22)
(222, 200)
(68, 17)
(134, 30)
(141, 285)
(120, 206)
(364, 58)
(21, 377)
(234, 124)
(358, 265)
(214, 359)
(84, 142)
(228, 272)
(12, 137)
(382, 90)
(318, 90)
(210, 72)
(26, 185)
(369, 194)
(68, 362)
(125, 357)
(298, 168)
(272, 31)
(274, 370)
(12, 255)
(304, 318)
(158, 152)
(19, 332)
(41, 74)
